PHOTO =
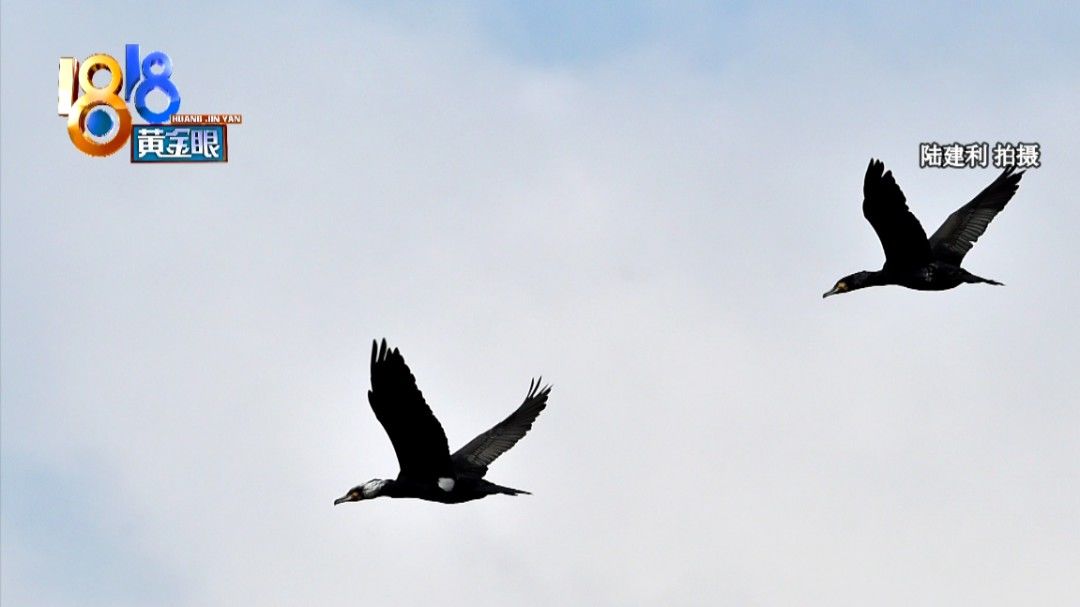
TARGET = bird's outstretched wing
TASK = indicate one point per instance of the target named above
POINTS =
(418, 439)
(474, 458)
(958, 234)
(885, 207)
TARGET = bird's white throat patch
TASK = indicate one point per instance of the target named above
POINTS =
(446, 484)
(372, 488)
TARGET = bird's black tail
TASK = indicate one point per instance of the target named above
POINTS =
(499, 489)
(968, 277)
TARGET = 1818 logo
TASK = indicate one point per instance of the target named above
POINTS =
(99, 122)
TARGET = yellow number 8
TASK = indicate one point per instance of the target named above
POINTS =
(94, 97)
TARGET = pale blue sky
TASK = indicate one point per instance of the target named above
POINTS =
(642, 203)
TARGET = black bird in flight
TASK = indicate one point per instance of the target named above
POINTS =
(428, 470)
(911, 259)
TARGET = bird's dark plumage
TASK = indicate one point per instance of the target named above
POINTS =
(911, 259)
(885, 207)
(475, 457)
(418, 438)
(958, 234)
(427, 470)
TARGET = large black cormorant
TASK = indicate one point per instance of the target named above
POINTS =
(428, 470)
(911, 259)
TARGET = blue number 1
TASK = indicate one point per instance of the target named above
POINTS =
(131, 69)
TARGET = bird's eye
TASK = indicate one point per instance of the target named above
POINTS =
(841, 285)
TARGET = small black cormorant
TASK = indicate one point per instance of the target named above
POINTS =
(427, 469)
(911, 259)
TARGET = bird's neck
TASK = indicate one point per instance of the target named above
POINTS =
(876, 279)
(391, 488)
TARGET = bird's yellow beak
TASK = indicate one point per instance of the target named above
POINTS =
(839, 288)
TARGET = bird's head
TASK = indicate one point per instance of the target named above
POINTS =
(850, 282)
(368, 490)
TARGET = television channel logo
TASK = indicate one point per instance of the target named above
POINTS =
(99, 121)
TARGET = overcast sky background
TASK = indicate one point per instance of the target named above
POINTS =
(643, 204)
